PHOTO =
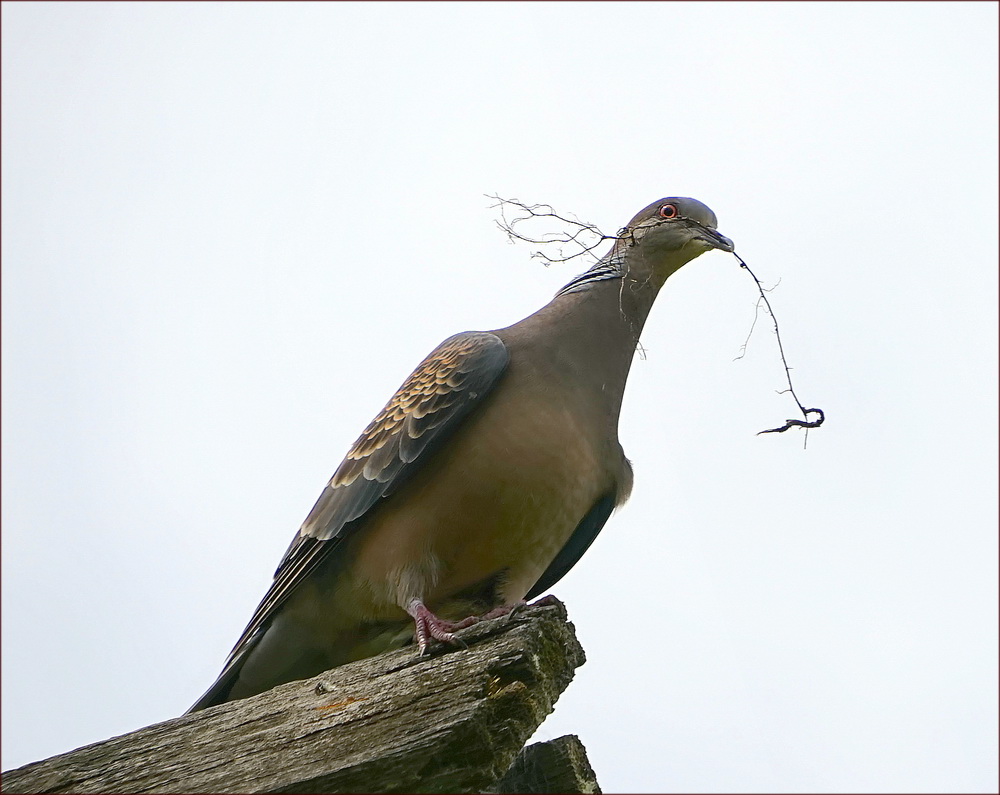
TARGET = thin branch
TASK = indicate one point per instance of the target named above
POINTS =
(575, 235)
(756, 314)
(791, 423)
(743, 347)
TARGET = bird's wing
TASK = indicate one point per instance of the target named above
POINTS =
(423, 413)
(574, 548)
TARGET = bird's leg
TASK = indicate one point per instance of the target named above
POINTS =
(428, 625)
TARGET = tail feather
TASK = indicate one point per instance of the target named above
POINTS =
(271, 658)
(219, 692)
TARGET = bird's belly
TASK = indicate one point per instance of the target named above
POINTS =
(497, 503)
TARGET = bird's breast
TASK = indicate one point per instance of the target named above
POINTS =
(499, 501)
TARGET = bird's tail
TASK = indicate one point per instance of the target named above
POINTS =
(219, 692)
(289, 662)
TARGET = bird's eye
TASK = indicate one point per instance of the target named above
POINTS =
(668, 211)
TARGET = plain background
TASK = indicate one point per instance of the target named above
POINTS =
(231, 230)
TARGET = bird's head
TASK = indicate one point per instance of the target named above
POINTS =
(668, 233)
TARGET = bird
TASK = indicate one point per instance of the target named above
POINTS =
(480, 484)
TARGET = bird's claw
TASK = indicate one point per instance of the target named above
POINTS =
(516, 608)
(428, 627)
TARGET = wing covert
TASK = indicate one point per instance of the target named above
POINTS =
(429, 405)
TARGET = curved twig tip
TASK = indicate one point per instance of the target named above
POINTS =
(799, 423)
(792, 423)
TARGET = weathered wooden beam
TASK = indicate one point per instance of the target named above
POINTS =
(558, 765)
(450, 722)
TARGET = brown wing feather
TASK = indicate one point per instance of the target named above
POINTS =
(425, 410)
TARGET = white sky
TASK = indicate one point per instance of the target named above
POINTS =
(230, 231)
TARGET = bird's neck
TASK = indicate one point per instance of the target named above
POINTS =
(637, 281)
(588, 334)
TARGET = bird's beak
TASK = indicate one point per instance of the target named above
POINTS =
(716, 240)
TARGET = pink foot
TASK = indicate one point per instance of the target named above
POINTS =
(504, 610)
(428, 626)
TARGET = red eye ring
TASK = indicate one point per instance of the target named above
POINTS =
(668, 211)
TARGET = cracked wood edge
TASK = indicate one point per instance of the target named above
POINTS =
(560, 765)
(453, 721)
